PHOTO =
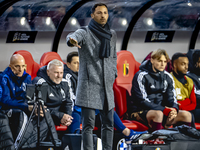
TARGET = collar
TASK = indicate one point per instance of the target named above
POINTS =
(180, 77)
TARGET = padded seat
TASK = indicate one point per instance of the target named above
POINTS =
(48, 56)
(32, 67)
(127, 66)
(197, 126)
(64, 128)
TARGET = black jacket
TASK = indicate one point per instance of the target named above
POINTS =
(196, 79)
(58, 96)
(152, 90)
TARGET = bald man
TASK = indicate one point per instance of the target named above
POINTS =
(14, 81)
(14, 109)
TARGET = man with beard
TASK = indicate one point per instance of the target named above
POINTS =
(195, 76)
(97, 52)
(184, 85)
(154, 95)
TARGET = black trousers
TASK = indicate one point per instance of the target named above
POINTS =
(88, 122)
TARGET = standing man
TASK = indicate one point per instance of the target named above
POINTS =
(97, 53)
(71, 75)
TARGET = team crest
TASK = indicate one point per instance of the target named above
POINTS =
(125, 68)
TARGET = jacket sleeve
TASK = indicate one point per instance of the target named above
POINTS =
(170, 93)
(189, 103)
(9, 102)
(115, 53)
(56, 115)
(68, 103)
(78, 35)
(140, 93)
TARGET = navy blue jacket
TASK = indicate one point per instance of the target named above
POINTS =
(72, 79)
(195, 76)
(13, 90)
(153, 90)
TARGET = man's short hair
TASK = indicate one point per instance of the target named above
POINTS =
(195, 56)
(54, 62)
(158, 53)
(96, 5)
(70, 56)
(176, 56)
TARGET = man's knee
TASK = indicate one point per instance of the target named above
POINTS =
(108, 120)
(184, 116)
(155, 115)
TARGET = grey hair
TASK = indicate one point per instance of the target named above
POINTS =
(55, 62)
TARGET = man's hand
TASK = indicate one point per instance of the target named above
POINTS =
(74, 42)
(172, 114)
(30, 108)
(66, 120)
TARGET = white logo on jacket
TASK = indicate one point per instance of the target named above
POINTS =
(152, 86)
(24, 86)
(51, 95)
(63, 93)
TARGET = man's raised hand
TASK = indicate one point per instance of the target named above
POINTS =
(74, 42)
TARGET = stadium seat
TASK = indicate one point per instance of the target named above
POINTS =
(32, 66)
(127, 66)
(48, 56)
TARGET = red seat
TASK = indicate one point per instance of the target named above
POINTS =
(61, 128)
(32, 66)
(48, 56)
(64, 128)
(127, 66)
(197, 126)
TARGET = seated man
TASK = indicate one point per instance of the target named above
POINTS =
(195, 75)
(58, 96)
(71, 74)
(184, 86)
(14, 108)
(154, 95)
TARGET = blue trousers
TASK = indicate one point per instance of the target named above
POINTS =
(75, 125)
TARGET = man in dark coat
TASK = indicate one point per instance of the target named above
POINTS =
(58, 99)
(154, 95)
(97, 54)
